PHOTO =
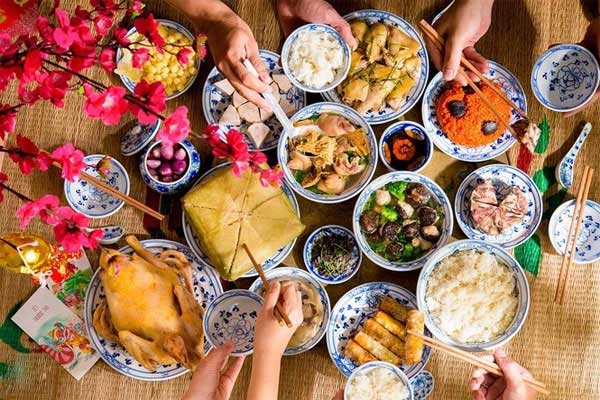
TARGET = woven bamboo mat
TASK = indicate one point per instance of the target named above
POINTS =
(558, 344)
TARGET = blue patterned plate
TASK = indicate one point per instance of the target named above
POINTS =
(138, 138)
(194, 243)
(296, 273)
(231, 317)
(588, 242)
(522, 288)
(388, 114)
(206, 288)
(565, 77)
(510, 85)
(503, 177)
(348, 316)
(94, 202)
(437, 194)
(379, 364)
(214, 102)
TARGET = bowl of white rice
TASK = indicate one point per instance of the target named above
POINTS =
(474, 295)
(315, 58)
(378, 380)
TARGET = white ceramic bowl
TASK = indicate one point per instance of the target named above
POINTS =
(379, 364)
(416, 128)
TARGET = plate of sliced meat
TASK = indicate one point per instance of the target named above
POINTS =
(498, 204)
(224, 106)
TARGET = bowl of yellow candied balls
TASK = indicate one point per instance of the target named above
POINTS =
(161, 67)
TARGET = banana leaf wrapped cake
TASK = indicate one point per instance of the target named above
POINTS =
(226, 211)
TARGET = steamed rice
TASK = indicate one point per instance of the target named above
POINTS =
(377, 384)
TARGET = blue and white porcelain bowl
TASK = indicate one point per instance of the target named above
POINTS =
(417, 129)
(130, 85)
(92, 201)
(358, 184)
(503, 177)
(437, 194)
(522, 289)
(231, 317)
(214, 102)
(348, 316)
(509, 84)
(291, 273)
(194, 243)
(565, 77)
(323, 233)
(180, 184)
(587, 249)
(319, 28)
(111, 234)
(387, 114)
(379, 364)
(207, 287)
(138, 138)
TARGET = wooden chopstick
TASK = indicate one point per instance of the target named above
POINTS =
(435, 36)
(586, 183)
(473, 86)
(490, 367)
(278, 307)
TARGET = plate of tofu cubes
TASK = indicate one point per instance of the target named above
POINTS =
(224, 106)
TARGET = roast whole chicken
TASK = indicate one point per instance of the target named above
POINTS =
(150, 308)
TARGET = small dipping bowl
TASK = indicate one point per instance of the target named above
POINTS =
(565, 77)
(323, 233)
(188, 177)
(424, 146)
(378, 364)
(231, 317)
(588, 242)
(319, 28)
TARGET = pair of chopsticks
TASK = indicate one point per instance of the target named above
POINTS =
(280, 313)
(439, 42)
(574, 228)
(462, 355)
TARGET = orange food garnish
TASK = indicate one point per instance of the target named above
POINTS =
(404, 149)
(386, 152)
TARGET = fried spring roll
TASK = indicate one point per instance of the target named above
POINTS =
(383, 336)
(376, 348)
(357, 353)
(390, 324)
(414, 346)
(395, 309)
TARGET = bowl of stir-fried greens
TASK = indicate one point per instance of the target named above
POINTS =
(400, 219)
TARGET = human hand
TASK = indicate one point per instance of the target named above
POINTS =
(270, 336)
(509, 387)
(212, 380)
(231, 41)
(462, 25)
(293, 13)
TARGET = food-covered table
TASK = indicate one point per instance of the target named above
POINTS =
(558, 344)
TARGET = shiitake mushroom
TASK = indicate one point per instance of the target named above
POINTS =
(369, 221)
(427, 215)
(391, 230)
(411, 229)
(417, 194)
(394, 250)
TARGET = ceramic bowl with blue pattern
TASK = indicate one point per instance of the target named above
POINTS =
(437, 194)
(130, 85)
(587, 249)
(521, 287)
(416, 129)
(207, 287)
(138, 137)
(365, 368)
(323, 233)
(509, 85)
(341, 73)
(348, 316)
(387, 114)
(215, 102)
(357, 182)
(92, 201)
(231, 317)
(291, 273)
(565, 77)
(273, 261)
(192, 171)
(503, 177)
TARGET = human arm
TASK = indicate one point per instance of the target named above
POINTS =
(230, 41)
(511, 386)
(462, 25)
(271, 339)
